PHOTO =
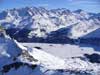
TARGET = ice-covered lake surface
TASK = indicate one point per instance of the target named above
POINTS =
(63, 50)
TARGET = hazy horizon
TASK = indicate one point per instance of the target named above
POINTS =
(86, 5)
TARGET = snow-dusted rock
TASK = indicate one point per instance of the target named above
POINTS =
(42, 21)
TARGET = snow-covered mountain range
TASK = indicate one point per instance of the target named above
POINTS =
(40, 22)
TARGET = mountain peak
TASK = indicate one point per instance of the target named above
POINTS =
(79, 11)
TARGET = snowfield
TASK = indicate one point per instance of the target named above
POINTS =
(64, 52)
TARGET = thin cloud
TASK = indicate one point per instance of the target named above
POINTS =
(87, 2)
(43, 5)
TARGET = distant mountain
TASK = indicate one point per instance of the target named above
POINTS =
(38, 22)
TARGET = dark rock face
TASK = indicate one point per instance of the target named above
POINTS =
(19, 35)
(38, 47)
(93, 58)
(16, 65)
(59, 36)
(30, 58)
(70, 72)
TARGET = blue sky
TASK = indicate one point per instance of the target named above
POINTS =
(87, 5)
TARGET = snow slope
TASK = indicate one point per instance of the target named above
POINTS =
(54, 63)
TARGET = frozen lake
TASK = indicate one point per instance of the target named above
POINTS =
(62, 50)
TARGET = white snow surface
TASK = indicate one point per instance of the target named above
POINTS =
(53, 62)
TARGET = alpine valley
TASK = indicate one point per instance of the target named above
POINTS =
(40, 41)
